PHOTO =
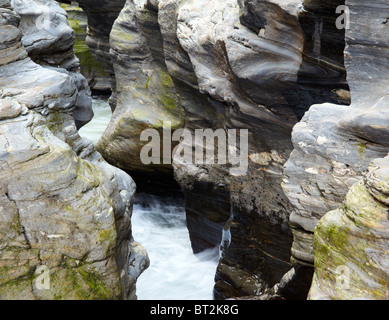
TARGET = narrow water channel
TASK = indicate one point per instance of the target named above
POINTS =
(159, 224)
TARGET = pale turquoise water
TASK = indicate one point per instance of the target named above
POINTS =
(94, 129)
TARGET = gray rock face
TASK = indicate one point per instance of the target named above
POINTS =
(62, 207)
(101, 15)
(46, 36)
(145, 92)
(49, 40)
(256, 65)
(99, 80)
(242, 60)
(350, 243)
(351, 260)
(335, 144)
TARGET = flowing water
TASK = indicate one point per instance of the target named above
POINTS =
(175, 273)
(159, 224)
(94, 129)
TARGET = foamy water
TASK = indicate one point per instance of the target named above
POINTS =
(175, 273)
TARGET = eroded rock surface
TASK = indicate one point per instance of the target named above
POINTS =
(99, 78)
(145, 93)
(351, 243)
(333, 144)
(62, 207)
(101, 14)
(49, 40)
(256, 65)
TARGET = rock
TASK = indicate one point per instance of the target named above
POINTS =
(256, 65)
(9, 109)
(11, 35)
(49, 40)
(205, 187)
(350, 243)
(333, 144)
(224, 43)
(145, 92)
(99, 80)
(294, 285)
(47, 36)
(101, 16)
(63, 209)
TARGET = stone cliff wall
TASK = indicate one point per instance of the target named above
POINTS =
(311, 95)
(101, 15)
(334, 146)
(351, 243)
(256, 65)
(62, 207)
(99, 78)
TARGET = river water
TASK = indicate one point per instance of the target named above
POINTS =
(159, 224)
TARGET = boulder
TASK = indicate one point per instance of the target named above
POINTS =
(145, 92)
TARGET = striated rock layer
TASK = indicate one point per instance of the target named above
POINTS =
(63, 209)
(256, 65)
(101, 15)
(254, 60)
(99, 79)
(145, 94)
(49, 42)
(351, 243)
(334, 144)
(261, 65)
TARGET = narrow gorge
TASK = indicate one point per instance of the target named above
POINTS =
(90, 88)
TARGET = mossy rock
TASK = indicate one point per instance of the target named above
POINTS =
(350, 249)
(78, 22)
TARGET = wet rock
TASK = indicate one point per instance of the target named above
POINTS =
(99, 80)
(350, 243)
(62, 207)
(333, 144)
(48, 40)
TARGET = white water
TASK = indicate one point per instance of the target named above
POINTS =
(159, 224)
